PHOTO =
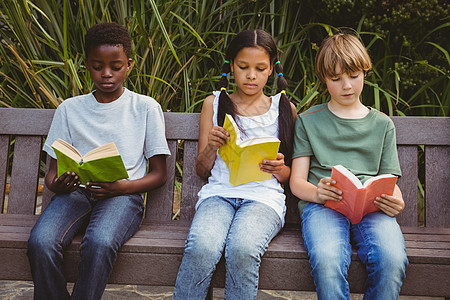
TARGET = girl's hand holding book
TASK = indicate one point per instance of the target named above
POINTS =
(273, 166)
(217, 137)
(276, 167)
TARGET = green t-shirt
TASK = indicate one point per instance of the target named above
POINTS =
(366, 146)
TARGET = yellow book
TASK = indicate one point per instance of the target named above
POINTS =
(243, 157)
(102, 164)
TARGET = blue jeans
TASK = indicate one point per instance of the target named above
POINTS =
(109, 224)
(240, 228)
(379, 241)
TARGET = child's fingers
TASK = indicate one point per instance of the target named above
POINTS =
(218, 136)
(67, 182)
(270, 168)
(388, 210)
(326, 195)
(390, 205)
(326, 190)
(327, 183)
(220, 132)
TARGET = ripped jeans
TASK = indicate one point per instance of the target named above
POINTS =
(242, 229)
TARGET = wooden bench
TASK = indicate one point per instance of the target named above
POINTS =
(153, 255)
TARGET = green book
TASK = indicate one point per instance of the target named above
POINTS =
(102, 164)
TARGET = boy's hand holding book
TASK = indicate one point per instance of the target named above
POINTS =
(357, 199)
(326, 191)
(391, 205)
(103, 190)
(66, 183)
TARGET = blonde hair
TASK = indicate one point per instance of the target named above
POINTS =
(341, 50)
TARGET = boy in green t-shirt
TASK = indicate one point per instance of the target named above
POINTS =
(344, 131)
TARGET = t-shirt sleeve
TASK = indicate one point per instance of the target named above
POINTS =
(389, 163)
(155, 140)
(59, 129)
(302, 146)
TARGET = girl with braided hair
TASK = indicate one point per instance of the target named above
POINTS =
(238, 221)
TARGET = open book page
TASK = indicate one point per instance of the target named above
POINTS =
(379, 177)
(350, 176)
(67, 149)
(106, 150)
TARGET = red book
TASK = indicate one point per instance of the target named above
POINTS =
(357, 198)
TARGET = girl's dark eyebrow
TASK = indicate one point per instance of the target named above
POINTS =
(246, 62)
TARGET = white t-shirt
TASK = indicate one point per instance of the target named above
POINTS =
(269, 191)
(134, 122)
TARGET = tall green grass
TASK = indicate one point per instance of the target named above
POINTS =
(178, 53)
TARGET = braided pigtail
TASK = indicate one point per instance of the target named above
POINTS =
(285, 120)
(226, 106)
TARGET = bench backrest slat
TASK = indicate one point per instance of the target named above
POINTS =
(25, 121)
(437, 194)
(422, 130)
(4, 157)
(409, 165)
(160, 201)
(24, 175)
(47, 194)
(191, 182)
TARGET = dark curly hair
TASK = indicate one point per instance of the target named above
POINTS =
(107, 34)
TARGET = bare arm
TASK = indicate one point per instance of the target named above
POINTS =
(210, 139)
(307, 191)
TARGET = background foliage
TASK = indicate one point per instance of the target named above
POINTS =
(179, 46)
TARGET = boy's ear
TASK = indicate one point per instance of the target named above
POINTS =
(129, 64)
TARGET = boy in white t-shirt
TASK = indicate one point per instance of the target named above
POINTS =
(111, 212)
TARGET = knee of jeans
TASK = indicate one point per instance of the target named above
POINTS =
(391, 264)
(328, 263)
(242, 254)
(42, 246)
(100, 245)
(203, 250)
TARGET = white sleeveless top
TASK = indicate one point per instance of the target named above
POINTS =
(269, 191)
